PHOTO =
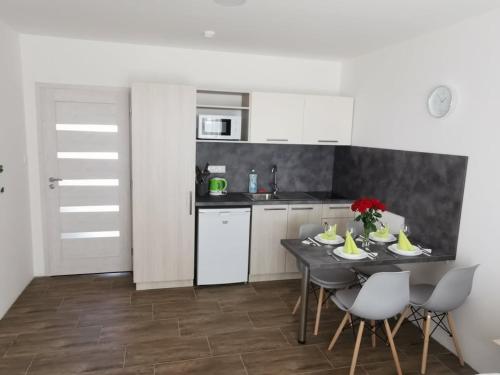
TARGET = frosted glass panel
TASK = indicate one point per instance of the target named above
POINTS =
(87, 128)
(88, 155)
(78, 235)
(90, 182)
(110, 208)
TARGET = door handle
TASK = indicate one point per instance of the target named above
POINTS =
(190, 203)
(54, 179)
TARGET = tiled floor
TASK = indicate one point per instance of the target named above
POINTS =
(98, 324)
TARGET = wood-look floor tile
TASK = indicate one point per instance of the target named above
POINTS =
(408, 366)
(275, 317)
(326, 332)
(77, 361)
(225, 365)
(341, 354)
(167, 350)
(15, 365)
(251, 303)
(162, 295)
(249, 340)
(141, 370)
(278, 287)
(451, 362)
(338, 371)
(34, 305)
(5, 343)
(224, 291)
(116, 315)
(295, 360)
(213, 323)
(50, 340)
(186, 308)
(30, 323)
(95, 301)
(133, 332)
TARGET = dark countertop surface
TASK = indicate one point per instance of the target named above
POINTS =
(240, 199)
(317, 257)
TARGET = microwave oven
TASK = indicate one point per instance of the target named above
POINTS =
(222, 127)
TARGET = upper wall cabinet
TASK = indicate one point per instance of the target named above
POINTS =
(327, 120)
(302, 119)
(276, 118)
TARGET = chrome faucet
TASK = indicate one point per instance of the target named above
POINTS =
(274, 185)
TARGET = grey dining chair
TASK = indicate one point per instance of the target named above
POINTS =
(381, 297)
(326, 280)
(438, 301)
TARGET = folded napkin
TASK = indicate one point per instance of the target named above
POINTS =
(404, 243)
(330, 234)
(382, 232)
(349, 245)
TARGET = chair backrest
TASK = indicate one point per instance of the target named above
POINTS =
(452, 290)
(310, 230)
(393, 221)
(382, 296)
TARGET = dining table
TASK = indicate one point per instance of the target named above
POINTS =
(313, 257)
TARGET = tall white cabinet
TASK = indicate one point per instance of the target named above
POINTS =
(163, 184)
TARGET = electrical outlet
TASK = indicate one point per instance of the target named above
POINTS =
(217, 168)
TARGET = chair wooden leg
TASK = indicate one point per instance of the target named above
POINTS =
(374, 337)
(356, 347)
(318, 310)
(339, 330)
(453, 329)
(393, 347)
(297, 305)
(427, 327)
(401, 319)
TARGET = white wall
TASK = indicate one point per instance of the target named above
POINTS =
(70, 61)
(391, 87)
(16, 269)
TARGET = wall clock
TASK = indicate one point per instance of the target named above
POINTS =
(440, 101)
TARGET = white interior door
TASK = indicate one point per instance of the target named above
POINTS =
(86, 179)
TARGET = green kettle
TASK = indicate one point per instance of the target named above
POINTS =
(217, 186)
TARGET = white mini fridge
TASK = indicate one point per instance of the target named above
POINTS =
(223, 245)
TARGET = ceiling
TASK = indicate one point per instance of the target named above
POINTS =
(326, 29)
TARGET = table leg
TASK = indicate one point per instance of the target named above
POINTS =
(304, 304)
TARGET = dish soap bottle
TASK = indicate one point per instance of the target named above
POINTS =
(252, 181)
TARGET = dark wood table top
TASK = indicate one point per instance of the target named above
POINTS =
(318, 257)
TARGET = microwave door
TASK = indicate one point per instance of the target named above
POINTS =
(216, 128)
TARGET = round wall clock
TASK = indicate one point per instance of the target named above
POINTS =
(440, 101)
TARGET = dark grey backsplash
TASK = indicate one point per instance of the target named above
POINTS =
(300, 167)
(425, 188)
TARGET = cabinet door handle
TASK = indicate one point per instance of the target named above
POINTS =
(301, 208)
(190, 203)
(328, 141)
(274, 209)
(277, 140)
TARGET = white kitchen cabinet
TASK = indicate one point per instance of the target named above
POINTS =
(341, 215)
(299, 214)
(267, 256)
(163, 159)
(327, 120)
(276, 118)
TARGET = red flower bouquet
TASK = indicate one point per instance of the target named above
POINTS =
(369, 212)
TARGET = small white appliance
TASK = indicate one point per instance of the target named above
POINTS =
(223, 127)
(223, 245)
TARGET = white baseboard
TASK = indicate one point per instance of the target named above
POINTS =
(163, 284)
(276, 276)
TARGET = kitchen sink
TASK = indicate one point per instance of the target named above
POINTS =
(279, 196)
